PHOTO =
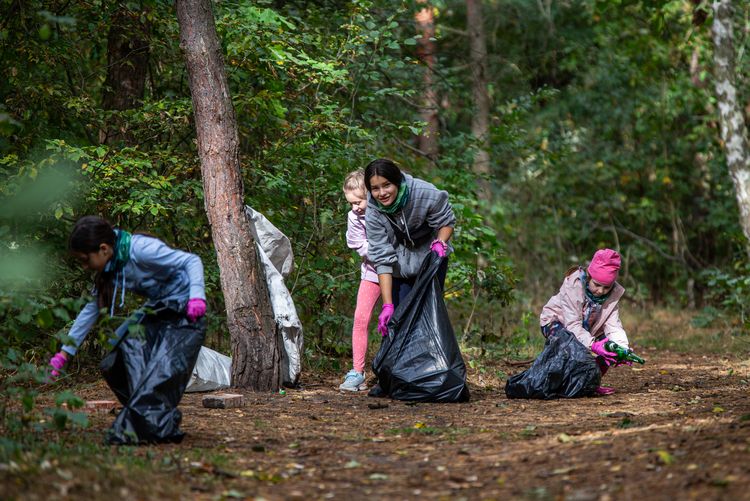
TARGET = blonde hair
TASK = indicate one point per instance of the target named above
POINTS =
(355, 181)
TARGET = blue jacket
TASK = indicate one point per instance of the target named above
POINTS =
(156, 271)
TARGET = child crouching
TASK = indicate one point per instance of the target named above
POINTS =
(587, 305)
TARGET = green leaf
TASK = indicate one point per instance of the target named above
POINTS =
(44, 319)
(60, 419)
(665, 457)
(45, 31)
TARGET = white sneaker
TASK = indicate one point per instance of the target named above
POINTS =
(353, 381)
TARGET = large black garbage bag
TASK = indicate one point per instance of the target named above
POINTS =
(420, 360)
(148, 371)
(564, 369)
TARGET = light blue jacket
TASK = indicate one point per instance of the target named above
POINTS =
(156, 271)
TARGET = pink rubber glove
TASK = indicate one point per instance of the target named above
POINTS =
(196, 308)
(605, 390)
(598, 348)
(439, 247)
(385, 316)
(57, 362)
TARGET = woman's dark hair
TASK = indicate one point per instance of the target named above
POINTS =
(87, 235)
(384, 168)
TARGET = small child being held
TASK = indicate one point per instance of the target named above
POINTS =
(587, 305)
(369, 290)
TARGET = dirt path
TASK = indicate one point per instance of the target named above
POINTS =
(677, 428)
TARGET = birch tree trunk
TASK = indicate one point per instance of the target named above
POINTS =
(428, 140)
(256, 356)
(733, 131)
(480, 119)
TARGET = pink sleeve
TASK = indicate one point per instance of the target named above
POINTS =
(572, 319)
(356, 238)
(613, 328)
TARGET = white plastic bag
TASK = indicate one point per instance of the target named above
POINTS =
(276, 254)
(213, 371)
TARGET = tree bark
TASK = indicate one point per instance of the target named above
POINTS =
(427, 142)
(731, 118)
(127, 67)
(256, 356)
(480, 119)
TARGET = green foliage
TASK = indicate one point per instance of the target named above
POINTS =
(620, 146)
(729, 290)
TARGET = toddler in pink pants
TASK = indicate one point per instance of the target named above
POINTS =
(369, 290)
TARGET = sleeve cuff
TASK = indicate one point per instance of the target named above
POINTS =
(384, 268)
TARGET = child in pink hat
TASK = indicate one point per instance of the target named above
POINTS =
(587, 305)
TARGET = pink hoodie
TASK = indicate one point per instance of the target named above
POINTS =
(567, 308)
(356, 239)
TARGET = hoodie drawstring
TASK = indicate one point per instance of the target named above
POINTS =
(114, 293)
(406, 227)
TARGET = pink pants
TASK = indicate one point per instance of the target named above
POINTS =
(367, 296)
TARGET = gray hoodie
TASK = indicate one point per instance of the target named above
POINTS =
(398, 243)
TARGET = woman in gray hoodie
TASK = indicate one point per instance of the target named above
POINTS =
(406, 218)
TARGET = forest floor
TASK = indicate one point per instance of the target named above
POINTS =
(677, 428)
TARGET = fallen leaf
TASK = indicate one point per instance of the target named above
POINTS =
(65, 474)
(564, 438)
(563, 471)
(665, 457)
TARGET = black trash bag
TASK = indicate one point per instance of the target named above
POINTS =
(564, 369)
(148, 370)
(420, 360)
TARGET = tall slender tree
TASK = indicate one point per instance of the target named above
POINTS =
(733, 130)
(425, 19)
(480, 119)
(256, 355)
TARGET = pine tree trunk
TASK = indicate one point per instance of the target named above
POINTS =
(480, 119)
(256, 356)
(428, 140)
(733, 131)
(127, 67)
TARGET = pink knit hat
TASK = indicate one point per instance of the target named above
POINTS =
(604, 266)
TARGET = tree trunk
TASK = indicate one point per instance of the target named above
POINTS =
(256, 356)
(127, 67)
(428, 140)
(733, 131)
(480, 119)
